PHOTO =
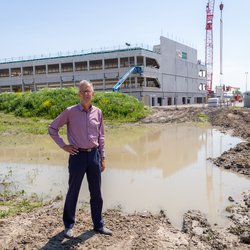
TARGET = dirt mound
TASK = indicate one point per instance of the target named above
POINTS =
(236, 159)
(173, 115)
(235, 121)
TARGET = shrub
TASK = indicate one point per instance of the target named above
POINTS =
(49, 103)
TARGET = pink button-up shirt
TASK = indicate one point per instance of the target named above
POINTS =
(84, 128)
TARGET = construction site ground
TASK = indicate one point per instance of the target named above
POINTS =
(43, 228)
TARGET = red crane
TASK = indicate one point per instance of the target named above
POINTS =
(209, 44)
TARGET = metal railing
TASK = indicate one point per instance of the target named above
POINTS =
(77, 53)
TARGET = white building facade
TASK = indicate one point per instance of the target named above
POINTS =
(172, 74)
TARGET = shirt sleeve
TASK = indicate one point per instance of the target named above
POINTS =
(54, 127)
(101, 137)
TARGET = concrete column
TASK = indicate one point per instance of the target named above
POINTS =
(60, 72)
(35, 88)
(22, 81)
(22, 85)
(61, 82)
(103, 83)
(73, 74)
(119, 62)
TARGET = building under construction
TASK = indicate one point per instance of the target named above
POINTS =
(170, 73)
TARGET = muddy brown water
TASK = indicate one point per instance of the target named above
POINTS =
(149, 168)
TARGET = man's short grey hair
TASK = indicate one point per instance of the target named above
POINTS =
(84, 83)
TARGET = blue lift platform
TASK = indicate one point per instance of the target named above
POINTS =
(133, 70)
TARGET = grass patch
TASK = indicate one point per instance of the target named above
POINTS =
(235, 108)
(202, 117)
(17, 202)
(10, 124)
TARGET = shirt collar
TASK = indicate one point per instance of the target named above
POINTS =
(82, 109)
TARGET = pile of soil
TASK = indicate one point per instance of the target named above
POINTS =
(43, 228)
(236, 122)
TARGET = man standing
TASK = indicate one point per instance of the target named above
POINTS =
(85, 132)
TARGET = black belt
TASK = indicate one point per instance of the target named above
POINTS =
(87, 149)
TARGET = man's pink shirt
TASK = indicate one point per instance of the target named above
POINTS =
(85, 129)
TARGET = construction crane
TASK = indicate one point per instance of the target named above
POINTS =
(221, 43)
(209, 44)
(133, 70)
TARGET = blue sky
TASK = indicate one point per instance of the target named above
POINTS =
(31, 27)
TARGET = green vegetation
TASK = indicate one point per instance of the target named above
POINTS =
(49, 103)
(235, 108)
(17, 202)
(10, 124)
(13, 202)
(120, 107)
(203, 117)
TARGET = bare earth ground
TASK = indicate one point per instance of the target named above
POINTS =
(43, 228)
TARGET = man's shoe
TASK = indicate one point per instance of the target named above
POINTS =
(104, 230)
(68, 233)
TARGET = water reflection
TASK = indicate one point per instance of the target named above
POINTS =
(37, 149)
(170, 149)
(149, 167)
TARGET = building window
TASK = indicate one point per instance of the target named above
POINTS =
(151, 82)
(4, 72)
(111, 63)
(202, 86)
(127, 62)
(41, 69)
(67, 67)
(81, 66)
(184, 55)
(95, 65)
(151, 62)
(140, 60)
(53, 68)
(202, 73)
(27, 71)
(15, 72)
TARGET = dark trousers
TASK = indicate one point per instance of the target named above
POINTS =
(79, 164)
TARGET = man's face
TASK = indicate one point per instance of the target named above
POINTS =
(86, 94)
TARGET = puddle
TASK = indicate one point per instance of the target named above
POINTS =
(149, 167)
